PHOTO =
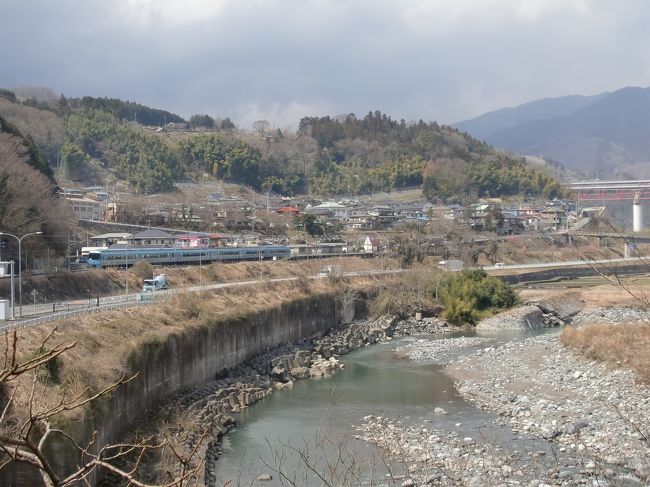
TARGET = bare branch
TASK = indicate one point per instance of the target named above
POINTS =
(26, 443)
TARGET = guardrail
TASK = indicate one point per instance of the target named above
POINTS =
(69, 314)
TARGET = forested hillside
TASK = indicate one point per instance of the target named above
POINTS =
(346, 155)
(28, 200)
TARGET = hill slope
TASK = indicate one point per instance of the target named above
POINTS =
(28, 199)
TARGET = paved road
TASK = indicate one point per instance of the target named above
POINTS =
(41, 313)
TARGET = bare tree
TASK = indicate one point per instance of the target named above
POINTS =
(261, 126)
(24, 432)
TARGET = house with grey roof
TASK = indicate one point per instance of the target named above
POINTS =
(153, 237)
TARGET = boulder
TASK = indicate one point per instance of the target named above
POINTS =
(519, 318)
(300, 373)
(564, 307)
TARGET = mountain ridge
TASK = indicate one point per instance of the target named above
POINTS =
(488, 124)
(609, 132)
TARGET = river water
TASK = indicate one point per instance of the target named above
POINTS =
(316, 419)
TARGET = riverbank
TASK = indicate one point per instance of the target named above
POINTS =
(215, 407)
(591, 415)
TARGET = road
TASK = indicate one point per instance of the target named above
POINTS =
(40, 313)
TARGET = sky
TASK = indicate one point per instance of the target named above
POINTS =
(280, 60)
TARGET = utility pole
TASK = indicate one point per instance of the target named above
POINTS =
(13, 293)
(126, 272)
(20, 267)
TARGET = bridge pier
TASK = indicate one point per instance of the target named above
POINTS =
(637, 215)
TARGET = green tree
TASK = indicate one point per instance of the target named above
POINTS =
(471, 295)
(202, 120)
(73, 160)
(310, 224)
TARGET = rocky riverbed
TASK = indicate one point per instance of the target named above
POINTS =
(211, 410)
(584, 407)
(442, 352)
(592, 416)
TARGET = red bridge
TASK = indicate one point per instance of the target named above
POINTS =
(611, 190)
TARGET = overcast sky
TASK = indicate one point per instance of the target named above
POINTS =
(443, 60)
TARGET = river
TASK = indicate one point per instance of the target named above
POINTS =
(317, 418)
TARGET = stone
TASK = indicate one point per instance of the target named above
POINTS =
(300, 373)
(265, 477)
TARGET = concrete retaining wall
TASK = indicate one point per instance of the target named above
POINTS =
(573, 273)
(185, 360)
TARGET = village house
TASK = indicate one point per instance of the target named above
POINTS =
(359, 218)
(329, 209)
(554, 218)
(382, 215)
(85, 208)
(372, 244)
(108, 239)
(153, 237)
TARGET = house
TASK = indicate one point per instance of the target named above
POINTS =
(382, 214)
(86, 208)
(192, 241)
(331, 248)
(410, 212)
(512, 223)
(532, 223)
(478, 215)
(329, 209)
(153, 237)
(232, 216)
(108, 239)
(372, 244)
(359, 218)
(554, 217)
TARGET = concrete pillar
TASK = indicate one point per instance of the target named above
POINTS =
(637, 215)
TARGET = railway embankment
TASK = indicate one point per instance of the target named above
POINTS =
(83, 284)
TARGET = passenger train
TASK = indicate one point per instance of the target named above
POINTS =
(171, 256)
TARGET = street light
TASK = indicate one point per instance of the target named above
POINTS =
(20, 266)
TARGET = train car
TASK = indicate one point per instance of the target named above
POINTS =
(170, 256)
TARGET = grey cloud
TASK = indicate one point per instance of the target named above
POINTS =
(442, 60)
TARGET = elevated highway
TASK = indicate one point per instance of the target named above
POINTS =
(611, 190)
(635, 190)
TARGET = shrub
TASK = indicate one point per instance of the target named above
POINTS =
(471, 295)
(143, 269)
(50, 371)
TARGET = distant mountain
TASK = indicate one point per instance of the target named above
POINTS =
(600, 135)
(488, 124)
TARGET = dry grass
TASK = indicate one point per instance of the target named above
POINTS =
(242, 271)
(604, 296)
(64, 286)
(624, 345)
